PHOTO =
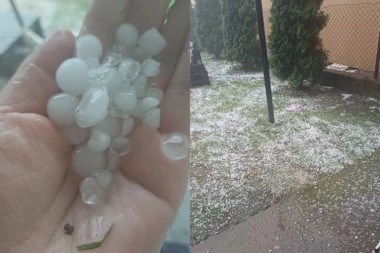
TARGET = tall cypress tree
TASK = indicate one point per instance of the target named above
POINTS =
(193, 37)
(296, 49)
(208, 26)
(239, 30)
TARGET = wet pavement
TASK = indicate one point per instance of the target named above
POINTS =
(340, 213)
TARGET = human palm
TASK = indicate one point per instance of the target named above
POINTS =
(38, 188)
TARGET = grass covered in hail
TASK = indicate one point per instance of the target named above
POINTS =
(241, 164)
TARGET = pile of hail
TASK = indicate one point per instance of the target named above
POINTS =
(101, 102)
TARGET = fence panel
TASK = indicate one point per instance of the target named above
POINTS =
(352, 33)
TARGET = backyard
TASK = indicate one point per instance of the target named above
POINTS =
(241, 164)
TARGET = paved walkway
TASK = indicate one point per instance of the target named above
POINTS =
(339, 214)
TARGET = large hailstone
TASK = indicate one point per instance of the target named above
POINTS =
(72, 76)
(91, 191)
(175, 146)
(152, 118)
(61, 109)
(86, 161)
(75, 134)
(127, 127)
(121, 146)
(152, 42)
(140, 84)
(138, 111)
(113, 160)
(151, 68)
(113, 112)
(108, 77)
(155, 93)
(149, 103)
(125, 100)
(93, 107)
(99, 141)
(127, 35)
(88, 47)
(103, 178)
(129, 69)
(110, 125)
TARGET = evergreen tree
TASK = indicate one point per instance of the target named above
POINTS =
(208, 26)
(296, 50)
(239, 28)
(193, 37)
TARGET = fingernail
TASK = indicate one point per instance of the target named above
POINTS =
(57, 34)
(176, 146)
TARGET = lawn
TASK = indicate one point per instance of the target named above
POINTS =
(241, 164)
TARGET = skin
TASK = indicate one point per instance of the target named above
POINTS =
(38, 189)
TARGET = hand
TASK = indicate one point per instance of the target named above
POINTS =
(38, 189)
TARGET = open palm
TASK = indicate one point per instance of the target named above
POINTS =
(39, 190)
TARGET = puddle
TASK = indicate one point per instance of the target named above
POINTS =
(340, 213)
(348, 203)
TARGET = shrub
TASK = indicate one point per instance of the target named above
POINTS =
(239, 30)
(296, 50)
(208, 26)
(193, 37)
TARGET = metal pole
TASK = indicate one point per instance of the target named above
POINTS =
(377, 60)
(264, 55)
(15, 10)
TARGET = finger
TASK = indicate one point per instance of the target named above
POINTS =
(146, 157)
(34, 82)
(103, 18)
(146, 14)
(147, 165)
(175, 108)
(175, 31)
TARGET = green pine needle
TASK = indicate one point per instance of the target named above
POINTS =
(95, 245)
(89, 246)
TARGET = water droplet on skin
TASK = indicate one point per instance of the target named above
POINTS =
(175, 146)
